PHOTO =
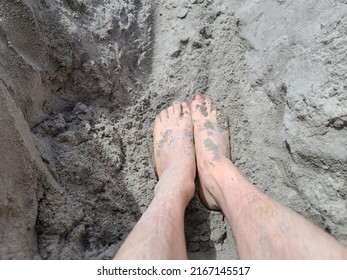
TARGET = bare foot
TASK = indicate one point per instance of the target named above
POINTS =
(211, 147)
(174, 152)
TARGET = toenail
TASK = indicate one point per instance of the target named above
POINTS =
(198, 96)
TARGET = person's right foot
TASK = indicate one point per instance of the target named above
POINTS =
(211, 148)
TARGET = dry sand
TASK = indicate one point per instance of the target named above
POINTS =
(82, 80)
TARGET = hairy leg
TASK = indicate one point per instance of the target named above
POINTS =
(159, 234)
(263, 228)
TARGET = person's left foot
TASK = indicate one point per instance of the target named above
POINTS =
(174, 151)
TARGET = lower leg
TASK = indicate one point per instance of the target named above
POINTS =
(263, 228)
(160, 232)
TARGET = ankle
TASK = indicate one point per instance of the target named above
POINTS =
(212, 177)
(236, 190)
(178, 172)
(169, 202)
(175, 187)
(223, 180)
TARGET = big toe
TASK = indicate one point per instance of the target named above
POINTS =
(186, 111)
(196, 104)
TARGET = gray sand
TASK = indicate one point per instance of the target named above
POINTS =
(214, 148)
(81, 82)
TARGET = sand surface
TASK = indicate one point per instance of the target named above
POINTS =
(82, 80)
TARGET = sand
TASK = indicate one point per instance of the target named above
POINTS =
(82, 80)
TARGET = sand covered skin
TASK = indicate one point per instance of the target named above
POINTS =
(81, 82)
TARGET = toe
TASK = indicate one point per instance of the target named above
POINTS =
(194, 108)
(198, 96)
(185, 109)
(164, 114)
(171, 111)
(177, 108)
(195, 105)
(157, 125)
(208, 105)
(157, 119)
